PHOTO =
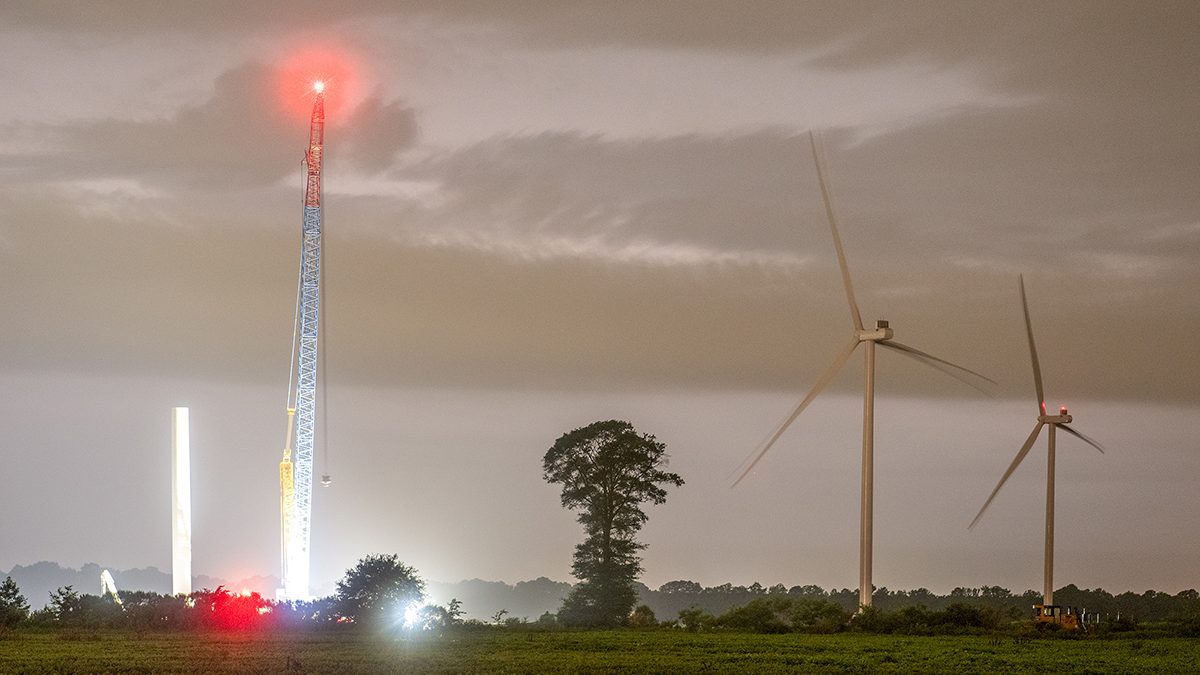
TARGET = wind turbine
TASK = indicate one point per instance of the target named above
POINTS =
(881, 334)
(1055, 422)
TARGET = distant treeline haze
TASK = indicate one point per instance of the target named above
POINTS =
(530, 599)
(674, 596)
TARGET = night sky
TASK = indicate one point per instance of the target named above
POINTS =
(543, 214)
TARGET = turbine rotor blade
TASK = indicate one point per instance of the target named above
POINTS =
(821, 383)
(1081, 437)
(1037, 369)
(1011, 468)
(952, 369)
(855, 315)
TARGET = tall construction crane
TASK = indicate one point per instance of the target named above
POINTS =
(296, 468)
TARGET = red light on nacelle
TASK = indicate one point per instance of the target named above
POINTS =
(1062, 410)
(319, 86)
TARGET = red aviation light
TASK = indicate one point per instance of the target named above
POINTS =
(1043, 407)
(310, 70)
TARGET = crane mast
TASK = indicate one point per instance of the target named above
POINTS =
(296, 468)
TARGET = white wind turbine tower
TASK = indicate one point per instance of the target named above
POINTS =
(1055, 422)
(881, 334)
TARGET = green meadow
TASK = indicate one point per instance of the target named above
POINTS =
(628, 650)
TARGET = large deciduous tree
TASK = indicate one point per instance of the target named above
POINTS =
(379, 589)
(607, 471)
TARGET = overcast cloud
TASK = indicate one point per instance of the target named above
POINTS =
(542, 214)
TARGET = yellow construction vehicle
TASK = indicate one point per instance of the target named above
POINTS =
(1066, 618)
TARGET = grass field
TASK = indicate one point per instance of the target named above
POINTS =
(569, 651)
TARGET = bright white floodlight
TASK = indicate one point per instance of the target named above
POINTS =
(412, 614)
(319, 86)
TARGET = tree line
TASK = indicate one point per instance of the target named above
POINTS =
(1151, 605)
(381, 593)
(774, 608)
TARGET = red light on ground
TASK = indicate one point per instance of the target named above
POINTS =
(234, 611)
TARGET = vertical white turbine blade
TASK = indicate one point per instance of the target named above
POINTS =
(1011, 468)
(821, 383)
(855, 316)
(1037, 369)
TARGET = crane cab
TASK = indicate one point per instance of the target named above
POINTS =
(1066, 618)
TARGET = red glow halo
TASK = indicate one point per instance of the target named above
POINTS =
(335, 67)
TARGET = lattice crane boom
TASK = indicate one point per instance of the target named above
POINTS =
(296, 498)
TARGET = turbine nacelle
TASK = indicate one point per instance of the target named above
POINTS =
(880, 332)
(1061, 418)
